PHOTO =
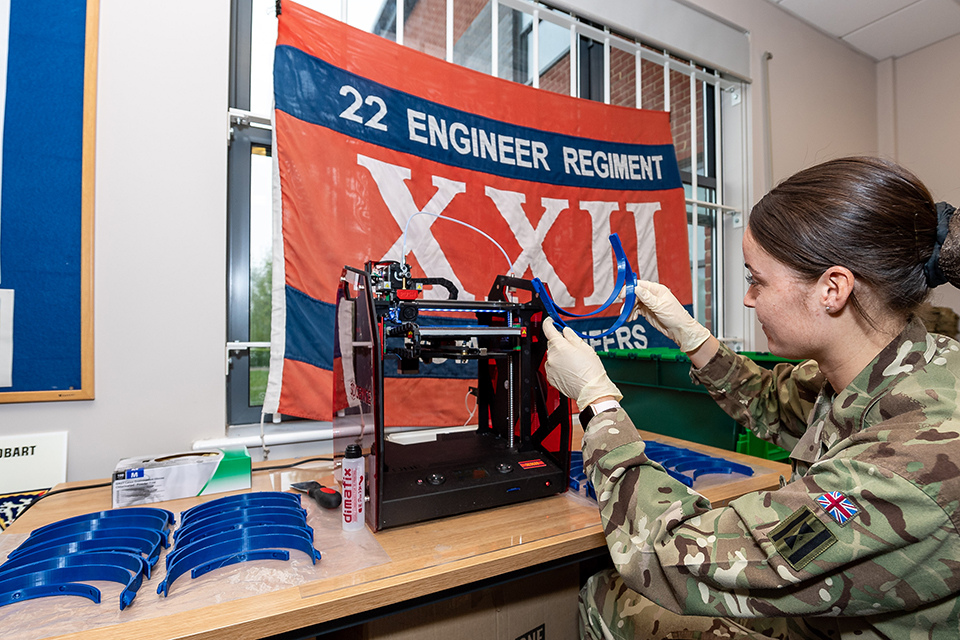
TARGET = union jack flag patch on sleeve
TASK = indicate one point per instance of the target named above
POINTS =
(838, 506)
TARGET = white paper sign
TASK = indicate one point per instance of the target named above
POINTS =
(32, 461)
(6, 338)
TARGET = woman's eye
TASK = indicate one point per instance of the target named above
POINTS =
(750, 280)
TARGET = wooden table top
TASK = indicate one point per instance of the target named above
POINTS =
(359, 572)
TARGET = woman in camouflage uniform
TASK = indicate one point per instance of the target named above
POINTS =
(863, 541)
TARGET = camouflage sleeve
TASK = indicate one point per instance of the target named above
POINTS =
(772, 553)
(774, 404)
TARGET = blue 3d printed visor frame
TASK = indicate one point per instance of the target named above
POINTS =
(626, 280)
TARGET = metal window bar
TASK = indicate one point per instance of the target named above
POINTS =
(694, 266)
(666, 86)
(719, 254)
(449, 30)
(638, 74)
(495, 38)
(703, 204)
(574, 62)
(748, 326)
(400, 15)
(535, 54)
(606, 68)
(241, 19)
(247, 118)
(236, 345)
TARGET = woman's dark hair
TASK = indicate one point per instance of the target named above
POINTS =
(866, 214)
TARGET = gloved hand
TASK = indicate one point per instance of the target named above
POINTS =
(574, 368)
(660, 307)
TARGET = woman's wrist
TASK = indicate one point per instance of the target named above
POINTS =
(700, 356)
(598, 406)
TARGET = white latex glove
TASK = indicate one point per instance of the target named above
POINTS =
(574, 368)
(660, 307)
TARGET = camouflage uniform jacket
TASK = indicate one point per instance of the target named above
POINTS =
(884, 563)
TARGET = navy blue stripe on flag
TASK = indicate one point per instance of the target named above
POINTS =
(315, 91)
(449, 369)
(310, 339)
(309, 331)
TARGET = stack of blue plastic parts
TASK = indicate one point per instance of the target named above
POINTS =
(120, 545)
(123, 545)
(238, 528)
(676, 461)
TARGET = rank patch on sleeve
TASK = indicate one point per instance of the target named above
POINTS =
(801, 538)
(838, 506)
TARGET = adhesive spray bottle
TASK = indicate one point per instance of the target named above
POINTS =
(353, 472)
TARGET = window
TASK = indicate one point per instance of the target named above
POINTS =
(519, 40)
(249, 255)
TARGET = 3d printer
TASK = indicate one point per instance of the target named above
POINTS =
(520, 448)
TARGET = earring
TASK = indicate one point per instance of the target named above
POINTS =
(827, 309)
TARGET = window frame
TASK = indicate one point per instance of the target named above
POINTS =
(244, 136)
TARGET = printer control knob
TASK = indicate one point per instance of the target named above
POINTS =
(436, 478)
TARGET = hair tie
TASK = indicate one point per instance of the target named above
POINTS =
(932, 270)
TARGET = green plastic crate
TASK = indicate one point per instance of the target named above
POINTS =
(753, 446)
(660, 397)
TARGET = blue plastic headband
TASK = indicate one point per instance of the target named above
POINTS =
(626, 278)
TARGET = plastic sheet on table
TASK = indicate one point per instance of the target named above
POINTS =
(342, 553)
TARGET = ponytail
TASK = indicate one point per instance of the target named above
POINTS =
(948, 255)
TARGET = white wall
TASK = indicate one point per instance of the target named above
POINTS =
(926, 100)
(160, 219)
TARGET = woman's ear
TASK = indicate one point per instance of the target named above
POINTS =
(835, 286)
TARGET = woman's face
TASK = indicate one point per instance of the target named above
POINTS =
(785, 304)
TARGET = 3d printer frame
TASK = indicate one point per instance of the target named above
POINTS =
(520, 449)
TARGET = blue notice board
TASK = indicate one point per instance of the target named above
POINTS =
(46, 199)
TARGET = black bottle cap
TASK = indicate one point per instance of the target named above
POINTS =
(353, 451)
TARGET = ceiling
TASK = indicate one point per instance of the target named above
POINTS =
(880, 28)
